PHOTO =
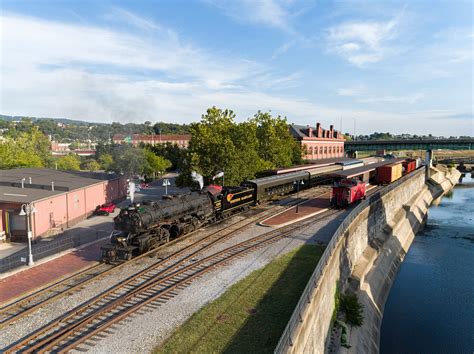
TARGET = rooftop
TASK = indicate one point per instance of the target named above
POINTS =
(24, 195)
(42, 179)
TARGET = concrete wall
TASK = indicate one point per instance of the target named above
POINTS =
(364, 259)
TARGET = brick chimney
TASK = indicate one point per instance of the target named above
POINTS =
(310, 132)
(318, 130)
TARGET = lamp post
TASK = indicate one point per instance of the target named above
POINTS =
(27, 210)
(298, 182)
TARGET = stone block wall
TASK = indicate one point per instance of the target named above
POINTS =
(370, 230)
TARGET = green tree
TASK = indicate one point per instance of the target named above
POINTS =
(106, 161)
(275, 143)
(69, 163)
(155, 164)
(90, 165)
(129, 160)
(74, 146)
(171, 152)
(27, 149)
(218, 143)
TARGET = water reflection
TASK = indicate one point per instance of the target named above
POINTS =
(430, 308)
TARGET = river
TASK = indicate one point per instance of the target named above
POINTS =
(430, 308)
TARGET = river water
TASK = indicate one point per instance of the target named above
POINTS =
(430, 308)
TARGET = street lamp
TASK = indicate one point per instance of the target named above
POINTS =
(298, 182)
(27, 210)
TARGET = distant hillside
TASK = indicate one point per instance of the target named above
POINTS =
(59, 120)
(70, 130)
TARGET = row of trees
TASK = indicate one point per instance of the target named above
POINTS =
(82, 132)
(240, 150)
(32, 149)
(27, 149)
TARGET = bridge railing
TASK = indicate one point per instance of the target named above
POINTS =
(286, 339)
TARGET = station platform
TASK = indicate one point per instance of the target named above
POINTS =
(306, 209)
(27, 280)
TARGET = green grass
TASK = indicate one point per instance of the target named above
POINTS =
(252, 314)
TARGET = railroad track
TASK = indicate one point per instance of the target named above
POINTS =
(147, 290)
(32, 302)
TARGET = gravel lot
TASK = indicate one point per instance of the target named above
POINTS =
(142, 332)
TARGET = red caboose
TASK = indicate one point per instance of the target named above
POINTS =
(347, 191)
(409, 165)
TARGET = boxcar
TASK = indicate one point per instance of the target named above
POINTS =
(388, 173)
(347, 191)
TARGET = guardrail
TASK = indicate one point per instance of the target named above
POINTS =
(48, 248)
(286, 339)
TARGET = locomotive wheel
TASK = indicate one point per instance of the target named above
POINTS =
(164, 235)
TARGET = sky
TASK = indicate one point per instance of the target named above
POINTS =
(364, 66)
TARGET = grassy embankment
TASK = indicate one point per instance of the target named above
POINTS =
(252, 314)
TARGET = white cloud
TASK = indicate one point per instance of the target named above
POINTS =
(361, 43)
(361, 94)
(54, 69)
(271, 13)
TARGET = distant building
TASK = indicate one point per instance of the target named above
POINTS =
(182, 140)
(318, 142)
(62, 149)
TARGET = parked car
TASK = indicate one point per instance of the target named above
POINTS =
(144, 185)
(105, 209)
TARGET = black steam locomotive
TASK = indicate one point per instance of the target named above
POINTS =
(142, 227)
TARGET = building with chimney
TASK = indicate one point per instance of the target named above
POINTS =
(182, 140)
(319, 143)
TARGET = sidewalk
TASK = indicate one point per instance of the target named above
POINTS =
(306, 209)
(27, 280)
(87, 231)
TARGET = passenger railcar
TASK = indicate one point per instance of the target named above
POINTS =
(267, 187)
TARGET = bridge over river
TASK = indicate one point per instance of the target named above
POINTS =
(351, 147)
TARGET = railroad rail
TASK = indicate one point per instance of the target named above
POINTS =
(148, 289)
(32, 302)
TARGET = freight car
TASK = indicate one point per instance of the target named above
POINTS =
(388, 173)
(409, 165)
(347, 191)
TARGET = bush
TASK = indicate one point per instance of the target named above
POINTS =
(352, 309)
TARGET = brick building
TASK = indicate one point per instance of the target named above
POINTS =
(182, 140)
(318, 142)
(60, 199)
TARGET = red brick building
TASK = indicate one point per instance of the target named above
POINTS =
(319, 143)
(182, 140)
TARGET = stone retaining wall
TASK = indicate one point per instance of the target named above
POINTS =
(364, 259)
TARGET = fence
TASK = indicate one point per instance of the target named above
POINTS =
(46, 248)
(296, 319)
